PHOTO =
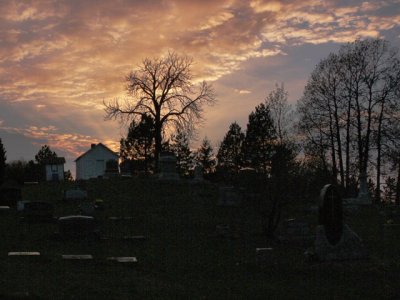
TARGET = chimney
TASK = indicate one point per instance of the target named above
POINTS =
(92, 146)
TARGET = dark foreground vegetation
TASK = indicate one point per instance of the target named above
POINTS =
(181, 257)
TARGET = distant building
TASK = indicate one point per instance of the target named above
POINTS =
(93, 163)
(54, 168)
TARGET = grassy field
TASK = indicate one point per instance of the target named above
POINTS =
(181, 258)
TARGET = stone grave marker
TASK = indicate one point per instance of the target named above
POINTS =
(334, 239)
(295, 231)
(36, 211)
(263, 254)
(167, 165)
(134, 238)
(77, 226)
(4, 208)
(77, 256)
(75, 194)
(87, 208)
(24, 253)
(228, 196)
(198, 174)
(123, 259)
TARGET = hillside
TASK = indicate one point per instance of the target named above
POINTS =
(181, 256)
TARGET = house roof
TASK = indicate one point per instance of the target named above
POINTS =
(54, 161)
(93, 147)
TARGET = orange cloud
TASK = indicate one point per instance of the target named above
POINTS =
(66, 57)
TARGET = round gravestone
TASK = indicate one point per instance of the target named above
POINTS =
(331, 213)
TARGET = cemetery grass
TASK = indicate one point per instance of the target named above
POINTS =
(181, 257)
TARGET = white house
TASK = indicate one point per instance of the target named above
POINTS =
(54, 168)
(92, 163)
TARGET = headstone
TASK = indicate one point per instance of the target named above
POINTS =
(167, 165)
(198, 174)
(87, 208)
(77, 226)
(363, 197)
(264, 254)
(295, 231)
(228, 196)
(123, 259)
(75, 194)
(36, 211)
(4, 208)
(77, 256)
(224, 231)
(134, 238)
(24, 253)
(10, 193)
(331, 213)
(334, 239)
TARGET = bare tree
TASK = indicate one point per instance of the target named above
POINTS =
(163, 88)
(351, 95)
(277, 101)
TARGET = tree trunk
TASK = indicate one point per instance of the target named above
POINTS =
(397, 201)
(347, 180)
(158, 142)
(379, 156)
(339, 143)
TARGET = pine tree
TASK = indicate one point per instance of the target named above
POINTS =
(2, 161)
(41, 157)
(44, 154)
(205, 156)
(230, 151)
(139, 143)
(258, 146)
(180, 146)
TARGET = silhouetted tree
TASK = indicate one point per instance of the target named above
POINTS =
(33, 171)
(279, 186)
(44, 154)
(15, 170)
(180, 146)
(277, 101)
(163, 88)
(3, 159)
(139, 143)
(68, 176)
(260, 138)
(346, 105)
(205, 156)
(229, 154)
(41, 157)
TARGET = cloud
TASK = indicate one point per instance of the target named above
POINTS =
(60, 59)
(242, 91)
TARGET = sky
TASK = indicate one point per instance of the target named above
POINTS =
(60, 60)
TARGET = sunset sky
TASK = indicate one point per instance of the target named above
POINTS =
(60, 59)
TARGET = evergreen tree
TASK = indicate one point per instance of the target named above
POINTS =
(180, 146)
(205, 156)
(230, 151)
(44, 154)
(258, 146)
(139, 143)
(3, 159)
(68, 176)
(41, 157)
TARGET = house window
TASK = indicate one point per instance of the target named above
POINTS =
(54, 168)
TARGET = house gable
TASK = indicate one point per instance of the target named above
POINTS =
(92, 163)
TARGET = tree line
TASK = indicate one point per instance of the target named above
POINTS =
(344, 129)
(27, 171)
